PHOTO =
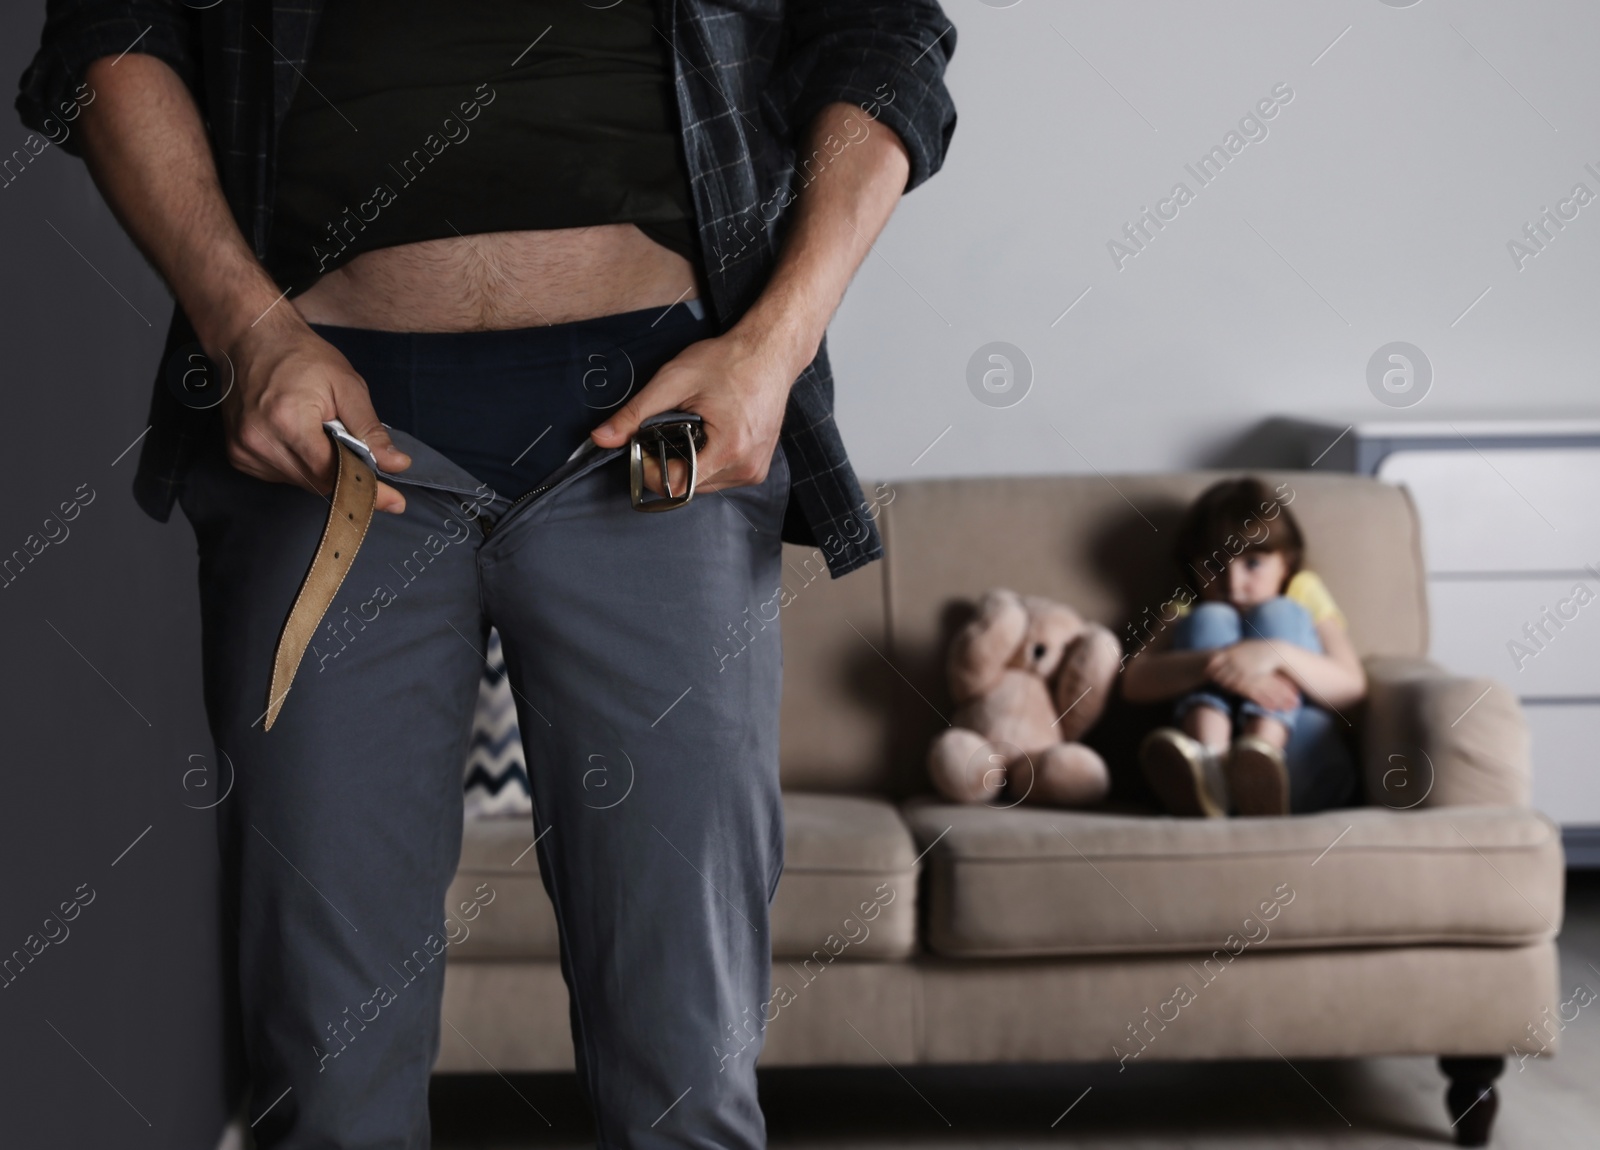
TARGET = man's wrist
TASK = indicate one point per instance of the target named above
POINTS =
(248, 316)
(781, 327)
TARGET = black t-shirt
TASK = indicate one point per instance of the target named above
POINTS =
(419, 119)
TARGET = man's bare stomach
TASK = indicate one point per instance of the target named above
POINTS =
(501, 280)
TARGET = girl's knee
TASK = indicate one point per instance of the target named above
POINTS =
(1208, 625)
(1281, 618)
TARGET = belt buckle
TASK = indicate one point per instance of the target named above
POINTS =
(680, 437)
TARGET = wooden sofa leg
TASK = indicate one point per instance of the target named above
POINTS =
(1471, 1098)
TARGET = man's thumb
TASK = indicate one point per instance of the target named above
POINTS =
(357, 413)
(625, 421)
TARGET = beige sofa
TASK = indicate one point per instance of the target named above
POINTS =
(915, 931)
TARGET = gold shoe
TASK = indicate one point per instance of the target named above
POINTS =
(1182, 772)
(1257, 777)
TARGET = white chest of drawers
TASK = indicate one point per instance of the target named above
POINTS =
(1511, 537)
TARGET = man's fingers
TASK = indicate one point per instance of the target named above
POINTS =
(659, 395)
(390, 500)
(300, 471)
(735, 456)
(677, 471)
(714, 470)
(355, 411)
(617, 430)
(300, 460)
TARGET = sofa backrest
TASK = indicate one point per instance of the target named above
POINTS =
(864, 688)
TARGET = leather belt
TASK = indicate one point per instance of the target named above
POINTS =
(355, 495)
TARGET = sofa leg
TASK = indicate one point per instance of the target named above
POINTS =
(1471, 1098)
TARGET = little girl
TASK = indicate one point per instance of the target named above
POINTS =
(1262, 667)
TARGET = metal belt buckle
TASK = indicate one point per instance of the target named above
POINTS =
(682, 438)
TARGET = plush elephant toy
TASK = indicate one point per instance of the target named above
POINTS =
(1029, 677)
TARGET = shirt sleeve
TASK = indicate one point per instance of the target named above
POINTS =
(886, 56)
(1308, 590)
(52, 90)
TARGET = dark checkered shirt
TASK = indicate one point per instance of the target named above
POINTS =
(749, 74)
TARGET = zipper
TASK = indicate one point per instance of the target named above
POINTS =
(559, 477)
(516, 503)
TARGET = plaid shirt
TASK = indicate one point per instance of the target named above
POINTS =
(749, 77)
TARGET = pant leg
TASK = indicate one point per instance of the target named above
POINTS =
(1207, 626)
(1279, 620)
(1282, 619)
(1322, 769)
(343, 827)
(645, 652)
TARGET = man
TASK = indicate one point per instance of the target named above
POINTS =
(470, 233)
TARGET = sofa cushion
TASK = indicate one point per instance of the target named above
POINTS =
(496, 906)
(837, 682)
(849, 876)
(1016, 882)
(848, 889)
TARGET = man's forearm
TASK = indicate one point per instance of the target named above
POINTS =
(147, 149)
(860, 173)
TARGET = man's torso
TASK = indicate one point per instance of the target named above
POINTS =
(501, 280)
(490, 130)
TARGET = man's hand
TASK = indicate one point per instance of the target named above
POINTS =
(287, 382)
(738, 386)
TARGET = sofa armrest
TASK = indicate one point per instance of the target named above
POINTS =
(1433, 739)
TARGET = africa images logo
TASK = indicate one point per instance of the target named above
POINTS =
(999, 374)
(1399, 374)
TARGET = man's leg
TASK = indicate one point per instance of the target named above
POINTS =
(644, 650)
(343, 827)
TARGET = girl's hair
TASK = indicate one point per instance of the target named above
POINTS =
(1231, 518)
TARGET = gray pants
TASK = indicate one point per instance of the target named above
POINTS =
(651, 739)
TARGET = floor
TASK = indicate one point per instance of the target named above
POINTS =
(1377, 1103)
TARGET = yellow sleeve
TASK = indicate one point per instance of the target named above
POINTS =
(1312, 593)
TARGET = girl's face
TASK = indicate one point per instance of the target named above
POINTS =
(1250, 580)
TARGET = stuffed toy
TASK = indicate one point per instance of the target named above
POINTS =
(1029, 677)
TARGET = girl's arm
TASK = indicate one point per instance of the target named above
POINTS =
(1153, 675)
(1334, 680)
(1157, 673)
(1337, 678)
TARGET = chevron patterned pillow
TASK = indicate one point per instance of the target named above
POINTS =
(496, 777)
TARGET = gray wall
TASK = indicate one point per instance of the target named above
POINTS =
(1377, 208)
(112, 1034)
